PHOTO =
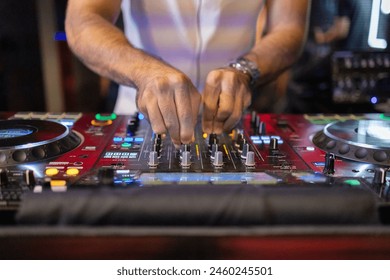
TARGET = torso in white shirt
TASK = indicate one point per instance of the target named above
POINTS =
(195, 36)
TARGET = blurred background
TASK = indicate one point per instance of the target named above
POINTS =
(344, 66)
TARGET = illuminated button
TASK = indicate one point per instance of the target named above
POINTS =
(352, 182)
(101, 123)
(139, 139)
(385, 117)
(72, 171)
(51, 171)
(126, 145)
(118, 139)
(105, 117)
(57, 183)
(128, 139)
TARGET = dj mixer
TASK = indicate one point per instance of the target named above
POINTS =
(62, 153)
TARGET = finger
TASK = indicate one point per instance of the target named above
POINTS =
(167, 106)
(242, 101)
(225, 108)
(196, 100)
(210, 107)
(184, 111)
(155, 117)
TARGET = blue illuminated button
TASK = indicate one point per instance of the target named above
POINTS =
(139, 139)
(128, 139)
(118, 139)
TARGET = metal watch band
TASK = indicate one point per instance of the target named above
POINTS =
(247, 67)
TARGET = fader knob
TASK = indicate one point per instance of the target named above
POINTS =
(3, 178)
(218, 161)
(242, 145)
(29, 178)
(379, 177)
(329, 164)
(274, 144)
(106, 176)
(261, 129)
(254, 117)
(214, 149)
(153, 159)
(186, 159)
(250, 159)
(213, 139)
(245, 151)
(240, 139)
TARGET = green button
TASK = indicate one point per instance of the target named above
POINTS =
(352, 182)
(126, 145)
(105, 117)
(385, 117)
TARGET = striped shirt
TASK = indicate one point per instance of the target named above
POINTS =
(195, 36)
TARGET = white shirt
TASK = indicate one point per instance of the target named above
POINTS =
(195, 36)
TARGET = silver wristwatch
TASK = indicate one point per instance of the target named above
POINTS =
(247, 67)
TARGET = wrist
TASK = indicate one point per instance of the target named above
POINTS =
(247, 67)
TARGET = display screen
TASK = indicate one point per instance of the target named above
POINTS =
(14, 132)
(204, 178)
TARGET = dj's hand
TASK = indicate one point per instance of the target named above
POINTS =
(170, 102)
(226, 95)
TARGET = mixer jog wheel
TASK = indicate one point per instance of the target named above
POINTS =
(23, 141)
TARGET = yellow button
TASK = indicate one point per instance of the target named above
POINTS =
(51, 171)
(72, 171)
(58, 183)
(101, 123)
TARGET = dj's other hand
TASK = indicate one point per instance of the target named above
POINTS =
(170, 102)
(226, 95)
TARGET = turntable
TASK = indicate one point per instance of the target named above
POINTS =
(25, 141)
(361, 140)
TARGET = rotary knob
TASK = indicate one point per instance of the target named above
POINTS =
(329, 164)
(250, 159)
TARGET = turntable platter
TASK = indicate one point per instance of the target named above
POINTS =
(360, 140)
(23, 141)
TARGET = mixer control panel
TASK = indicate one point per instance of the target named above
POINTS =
(62, 151)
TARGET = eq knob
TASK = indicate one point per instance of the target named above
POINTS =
(250, 159)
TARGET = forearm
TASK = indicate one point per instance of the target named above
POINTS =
(105, 49)
(284, 40)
